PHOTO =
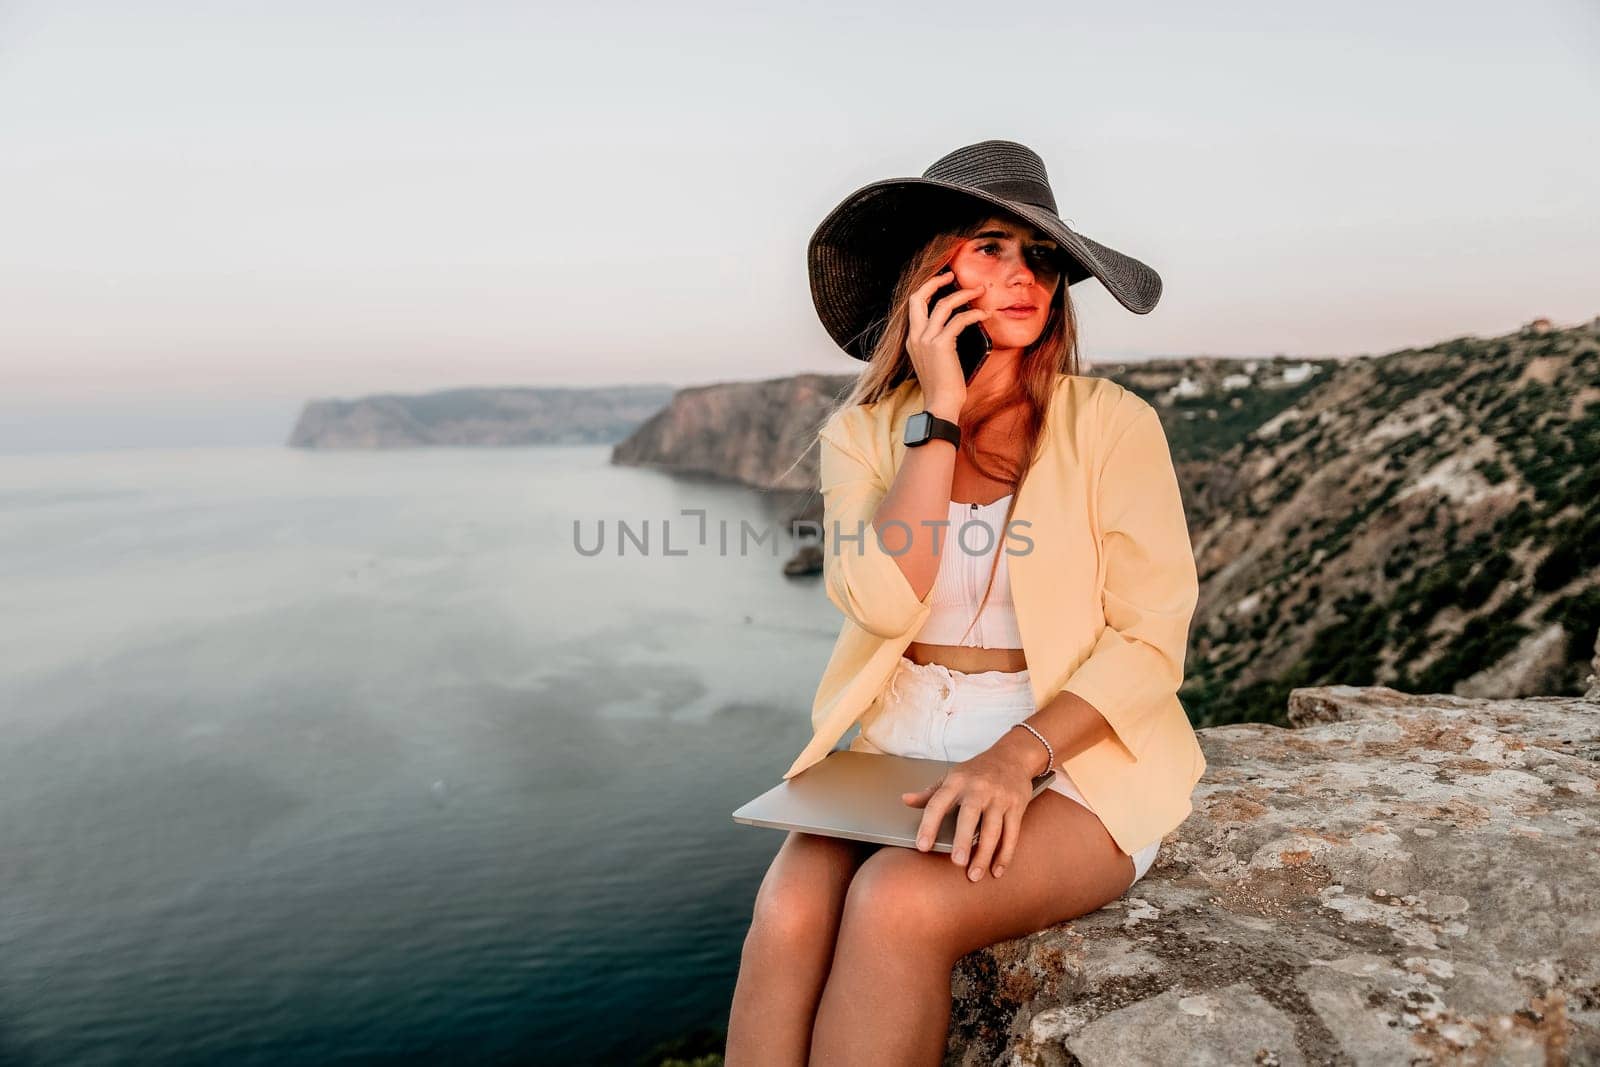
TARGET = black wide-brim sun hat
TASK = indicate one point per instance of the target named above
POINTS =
(858, 251)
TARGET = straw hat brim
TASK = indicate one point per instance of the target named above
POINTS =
(858, 251)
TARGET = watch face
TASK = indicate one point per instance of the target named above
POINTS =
(917, 426)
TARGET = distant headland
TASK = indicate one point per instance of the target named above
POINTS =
(480, 417)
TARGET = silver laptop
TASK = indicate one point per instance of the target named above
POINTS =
(857, 795)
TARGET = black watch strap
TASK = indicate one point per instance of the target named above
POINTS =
(925, 426)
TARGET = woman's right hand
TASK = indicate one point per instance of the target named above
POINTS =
(931, 343)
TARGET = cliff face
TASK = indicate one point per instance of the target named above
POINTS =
(479, 417)
(1423, 520)
(1396, 879)
(753, 432)
(748, 432)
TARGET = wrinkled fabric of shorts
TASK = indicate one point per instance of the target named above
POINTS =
(932, 712)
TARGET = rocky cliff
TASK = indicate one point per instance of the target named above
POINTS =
(762, 434)
(759, 433)
(1422, 519)
(1393, 880)
(480, 417)
(754, 432)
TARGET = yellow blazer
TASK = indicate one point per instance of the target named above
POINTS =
(1104, 596)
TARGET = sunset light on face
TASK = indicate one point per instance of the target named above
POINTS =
(1019, 270)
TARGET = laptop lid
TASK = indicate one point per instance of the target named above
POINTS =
(856, 795)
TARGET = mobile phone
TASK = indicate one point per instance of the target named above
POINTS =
(972, 344)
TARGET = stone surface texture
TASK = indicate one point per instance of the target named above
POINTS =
(1396, 879)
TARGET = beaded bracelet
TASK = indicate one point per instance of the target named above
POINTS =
(1051, 762)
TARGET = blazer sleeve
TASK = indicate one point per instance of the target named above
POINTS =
(1151, 585)
(862, 578)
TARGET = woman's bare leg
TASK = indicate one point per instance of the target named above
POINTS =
(909, 916)
(789, 948)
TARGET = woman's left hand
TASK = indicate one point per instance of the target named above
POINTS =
(993, 789)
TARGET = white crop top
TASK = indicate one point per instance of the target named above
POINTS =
(963, 573)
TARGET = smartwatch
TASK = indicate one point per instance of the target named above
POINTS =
(925, 426)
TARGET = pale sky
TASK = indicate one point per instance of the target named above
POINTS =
(212, 211)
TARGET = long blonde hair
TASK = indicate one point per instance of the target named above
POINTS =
(1055, 352)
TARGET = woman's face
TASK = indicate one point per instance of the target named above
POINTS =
(1016, 265)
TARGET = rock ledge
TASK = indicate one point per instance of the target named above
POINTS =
(1396, 879)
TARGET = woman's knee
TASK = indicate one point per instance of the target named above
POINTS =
(891, 899)
(788, 915)
(802, 894)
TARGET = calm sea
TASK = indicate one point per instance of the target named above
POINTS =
(352, 757)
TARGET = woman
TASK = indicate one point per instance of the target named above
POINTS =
(1063, 653)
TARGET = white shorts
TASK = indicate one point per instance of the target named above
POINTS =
(932, 712)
